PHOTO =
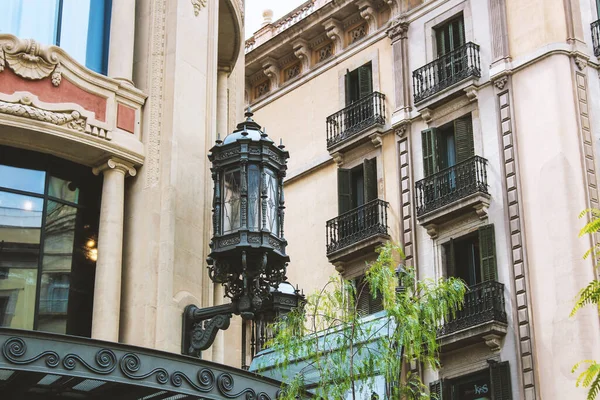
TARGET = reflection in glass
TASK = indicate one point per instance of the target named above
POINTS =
(231, 197)
(31, 19)
(63, 190)
(59, 235)
(27, 180)
(253, 197)
(20, 226)
(272, 203)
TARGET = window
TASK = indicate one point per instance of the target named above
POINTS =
(450, 36)
(359, 83)
(81, 27)
(472, 257)
(49, 212)
(357, 186)
(366, 304)
(492, 383)
(447, 145)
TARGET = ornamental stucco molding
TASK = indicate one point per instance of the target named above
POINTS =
(30, 60)
(70, 116)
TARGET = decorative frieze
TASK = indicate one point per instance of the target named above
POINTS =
(30, 60)
(356, 34)
(324, 52)
(261, 89)
(291, 72)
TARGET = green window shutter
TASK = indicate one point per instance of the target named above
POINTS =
(370, 171)
(450, 260)
(429, 143)
(375, 303)
(463, 136)
(440, 36)
(348, 87)
(344, 191)
(365, 81)
(363, 296)
(500, 377)
(487, 253)
(436, 390)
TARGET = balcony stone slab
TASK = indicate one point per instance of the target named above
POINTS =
(357, 249)
(490, 332)
(478, 203)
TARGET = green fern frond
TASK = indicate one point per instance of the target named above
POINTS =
(589, 378)
(589, 295)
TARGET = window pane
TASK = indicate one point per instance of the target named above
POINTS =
(253, 197)
(74, 28)
(30, 19)
(59, 235)
(62, 189)
(28, 180)
(20, 226)
(272, 203)
(231, 203)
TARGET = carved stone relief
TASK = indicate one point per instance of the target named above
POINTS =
(357, 34)
(27, 106)
(30, 60)
(198, 5)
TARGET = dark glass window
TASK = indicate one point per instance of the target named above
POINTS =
(472, 387)
(450, 36)
(81, 27)
(49, 212)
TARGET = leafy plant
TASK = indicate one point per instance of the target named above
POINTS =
(329, 348)
(590, 295)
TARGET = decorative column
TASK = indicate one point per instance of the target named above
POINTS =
(122, 35)
(398, 33)
(218, 347)
(107, 289)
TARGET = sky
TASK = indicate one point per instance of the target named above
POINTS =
(255, 8)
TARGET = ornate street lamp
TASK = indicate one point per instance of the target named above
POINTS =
(248, 246)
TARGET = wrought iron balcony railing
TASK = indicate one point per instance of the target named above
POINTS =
(451, 184)
(362, 114)
(356, 225)
(484, 302)
(596, 37)
(447, 70)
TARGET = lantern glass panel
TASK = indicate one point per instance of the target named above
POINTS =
(272, 202)
(253, 197)
(231, 203)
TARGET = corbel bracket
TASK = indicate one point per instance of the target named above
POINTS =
(201, 325)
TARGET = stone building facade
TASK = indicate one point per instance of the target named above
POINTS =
(465, 130)
(107, 112)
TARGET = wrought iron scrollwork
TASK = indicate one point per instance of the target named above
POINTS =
(105, 358)
(130, 364)
(200, 326)
(15, 348)
(206, 380)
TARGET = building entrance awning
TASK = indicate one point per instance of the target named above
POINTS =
(38, 365)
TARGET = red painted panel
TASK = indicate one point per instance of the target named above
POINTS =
(66, 92)
(125, 118)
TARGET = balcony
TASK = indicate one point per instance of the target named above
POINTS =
(357, 231)
(451, 192)
(482, 318)
(356, 123)
(596, 37)
(447, 72)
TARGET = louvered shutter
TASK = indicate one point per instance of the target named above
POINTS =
(429, 144)
(344, 190)
(500, 377)
(450, 260)
(375, 303)
(365, 81)
(487, 253)
(348, 85)
(436, 390)
(370, 171)
(363, 295)
(463, 135)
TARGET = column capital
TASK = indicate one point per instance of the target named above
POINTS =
(115, 164)
(398, 29)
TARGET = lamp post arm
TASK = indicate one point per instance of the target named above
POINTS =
(201, 325)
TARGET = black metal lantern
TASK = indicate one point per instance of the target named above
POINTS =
(248, 247)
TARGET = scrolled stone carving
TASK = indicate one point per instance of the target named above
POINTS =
(398, 30)
(501, 82)
(335, 32)
(271, 70)
(367, 12)
(302, 52)
(30, 60)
